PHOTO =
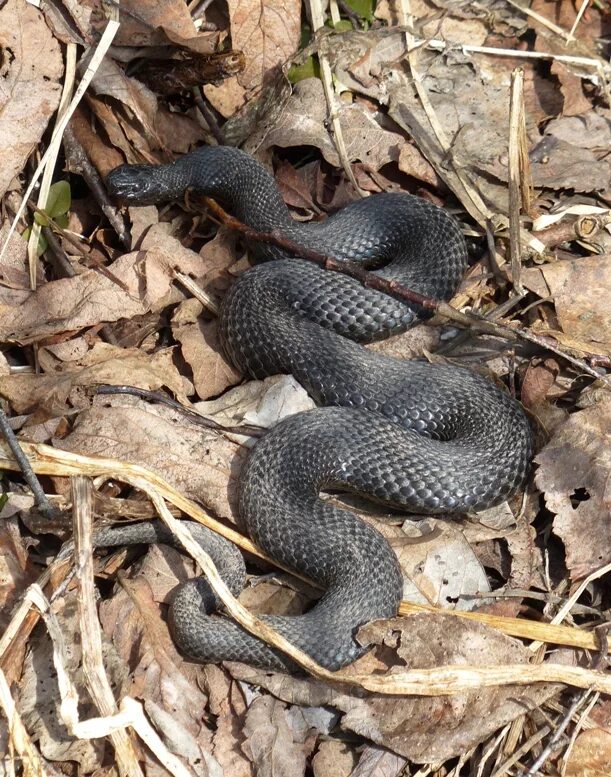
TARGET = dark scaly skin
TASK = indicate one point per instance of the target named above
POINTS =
(421, 437)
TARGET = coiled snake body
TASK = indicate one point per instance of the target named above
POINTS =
(421, 437)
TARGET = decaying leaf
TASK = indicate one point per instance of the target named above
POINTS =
(268, 32)
(137, 283)
(574, 476)
(590, 755)
(439, 565)
(201, 349)
(228, 704)
(30, 84)
(104, 364)
(303, 122)
(276, 738)
(158, 675)
(333, 759)
(410, 727)
(198, 462)
(41, 712)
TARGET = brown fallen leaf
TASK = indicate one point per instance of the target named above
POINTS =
(423, 730)
(226, 702)
(556, 164)
(413, 163)
(575, 102)
(30, 85)
(201, 349)
(439, 565)
(14, 267)
(149, 23)
(303, 122)
(573, 473)
(41, 712)
(135, 126)
(268, 32)
(91, 298)
(377, 762)
(16, 573)
(590, 755)
(103, 364)
(581, 289)
(274, 741)
(538, 383)
(538, 379)
(333, 758)
(200, 463)
(590, 130)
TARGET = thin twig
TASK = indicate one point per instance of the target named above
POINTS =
(516, 184)
(355, 19)
(193, 415)
(98, 55)
(56, 462)
(558, 732)
(54, 146)
(326, 76)
(78, 162)
(580, 13)
(40, 498)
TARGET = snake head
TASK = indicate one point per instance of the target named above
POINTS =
(135, 184)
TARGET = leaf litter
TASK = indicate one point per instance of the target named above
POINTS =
(433, 121)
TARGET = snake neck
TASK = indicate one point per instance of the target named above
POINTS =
(239, 182)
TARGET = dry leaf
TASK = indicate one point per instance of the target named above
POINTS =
(590, 755)
(201, 349)
(376, 762)
(149, 23)
(304, 123)
(333, 758)
(574, 476)
(559, 165)
(158, 675)
(144, 283)
(538, 379)
(30, 84)
(259, 403)
(103, 364)
(13, 266)
(41, 711)
(274, 744)
(591, 130)
(268, 32)
(227, 703)
(200, 463)
(581, 289)
(423, 730)
(439, 565)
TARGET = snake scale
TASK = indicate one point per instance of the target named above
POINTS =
(425, 438)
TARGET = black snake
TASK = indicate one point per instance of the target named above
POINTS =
(422, 437)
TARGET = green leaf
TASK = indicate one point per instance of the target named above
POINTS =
(59, 199)
(40, 217)
(309, 69)
(364, 8)
(42, 241)
(342, 26)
